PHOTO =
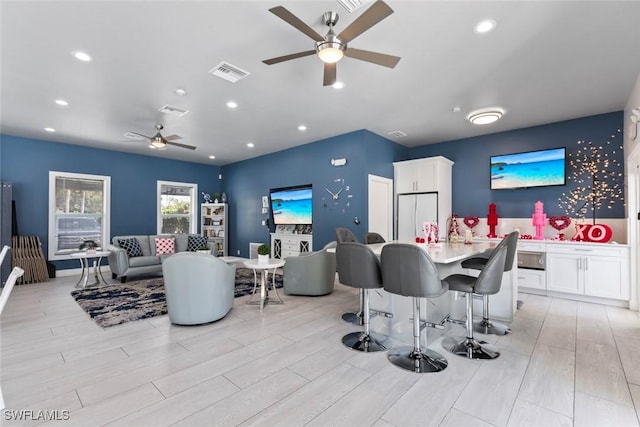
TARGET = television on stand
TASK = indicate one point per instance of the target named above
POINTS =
(540, 168)
(292, 208)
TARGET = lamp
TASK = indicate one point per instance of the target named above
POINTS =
(635, 119)
(485, 117)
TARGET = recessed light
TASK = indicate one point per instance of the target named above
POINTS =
(485, 26)
(212, 157)
(180, 91)
(232, 104)
(338, 85)
(456, 109)
(250, 144)
(81, 56)
(49, 129)
(62, 102)
(302, 128)
(485, 117)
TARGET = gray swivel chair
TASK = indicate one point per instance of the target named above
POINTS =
(372, 237)
(199, 287)
(487, 283)
(311, 273)
(408, 270)
(345, 235)
(359, 267)
(486, 326)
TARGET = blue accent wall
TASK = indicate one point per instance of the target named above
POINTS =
(471, 174)
(247, 181)
(27, 162)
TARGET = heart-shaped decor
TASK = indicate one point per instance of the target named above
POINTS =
(471, 221)
(559, 222)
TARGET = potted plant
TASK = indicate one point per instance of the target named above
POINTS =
(216, 197)
(263, 254)
(204, 250)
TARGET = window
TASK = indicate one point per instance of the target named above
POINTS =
(177, 207)
(79, 210)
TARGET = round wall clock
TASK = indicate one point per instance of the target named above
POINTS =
(337, 196)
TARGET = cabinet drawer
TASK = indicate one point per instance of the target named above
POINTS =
(531, 279)
(294, 247)
(531, 246)
(588, 250)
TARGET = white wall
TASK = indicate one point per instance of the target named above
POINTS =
(632, 183)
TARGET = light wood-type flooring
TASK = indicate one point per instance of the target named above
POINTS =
(566, 363)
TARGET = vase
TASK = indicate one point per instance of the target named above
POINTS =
(263, 259)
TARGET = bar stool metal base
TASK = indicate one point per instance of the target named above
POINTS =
(360, 341)
(470, 348)
(487, 327)
(355, 318)
(419, 362)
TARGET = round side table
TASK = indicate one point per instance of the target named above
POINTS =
(84, 258)
(264, 272)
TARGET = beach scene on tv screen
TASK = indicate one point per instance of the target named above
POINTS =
(532, 169)
(292, 206)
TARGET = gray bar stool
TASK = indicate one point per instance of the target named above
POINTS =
(486, 326)
(487, 283)
(344, 235)
(359, 267)
(371, 237)
(408, 270)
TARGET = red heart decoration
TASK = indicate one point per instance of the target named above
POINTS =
(559, 222)
(471, 221)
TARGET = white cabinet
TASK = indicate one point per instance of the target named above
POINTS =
(213, 225)
(422, 175)
(590, 270)
(284, 244)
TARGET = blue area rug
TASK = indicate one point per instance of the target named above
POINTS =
(116, 304)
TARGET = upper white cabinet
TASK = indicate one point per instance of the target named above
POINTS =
(591, 270)
(422, 175)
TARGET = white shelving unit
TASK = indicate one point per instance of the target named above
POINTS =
(213, 225)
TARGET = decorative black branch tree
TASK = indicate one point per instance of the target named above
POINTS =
(596, 171)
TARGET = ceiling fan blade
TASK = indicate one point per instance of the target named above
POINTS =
(373, 57)
(376, 13)
(172, 137)
(141, 135)
(177, 144)
(294, 21)
(329, 74)
(288, 57)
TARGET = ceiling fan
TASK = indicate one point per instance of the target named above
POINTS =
(160, 142)
(331, 48)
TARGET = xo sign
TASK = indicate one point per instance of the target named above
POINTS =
(598, 233)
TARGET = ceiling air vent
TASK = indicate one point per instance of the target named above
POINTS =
(350, 5)
(228, 72)
(397, 134)
(174, 111)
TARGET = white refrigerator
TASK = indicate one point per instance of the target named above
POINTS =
(413, 210)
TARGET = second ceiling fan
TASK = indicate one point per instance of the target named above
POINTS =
(331, 48)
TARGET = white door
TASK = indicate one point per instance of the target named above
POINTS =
(406, 217)
(380, 206)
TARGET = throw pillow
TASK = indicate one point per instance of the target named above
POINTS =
(196, 242)
(131, 246)
(165, 246)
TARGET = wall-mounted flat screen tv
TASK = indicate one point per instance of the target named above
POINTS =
(529, 169)
(292, 205)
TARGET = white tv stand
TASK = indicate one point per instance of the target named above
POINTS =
(290, 244)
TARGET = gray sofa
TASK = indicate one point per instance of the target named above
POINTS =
(124, 266)
(199, 288)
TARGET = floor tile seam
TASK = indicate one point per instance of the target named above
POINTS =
(544, 408)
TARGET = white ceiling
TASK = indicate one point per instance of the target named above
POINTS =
(545, 62)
